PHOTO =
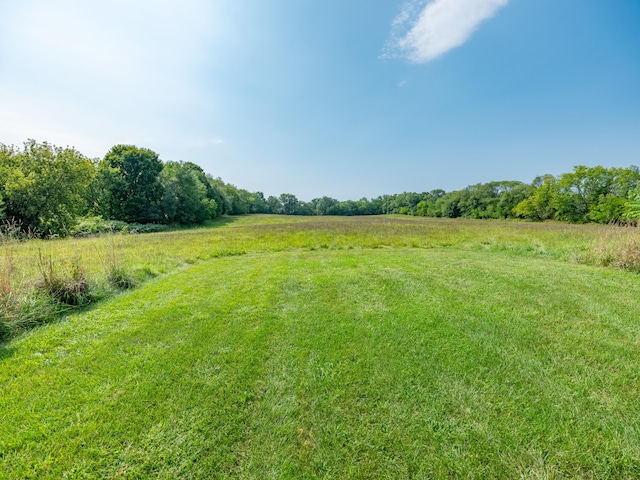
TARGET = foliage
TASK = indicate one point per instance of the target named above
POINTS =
(187, 199)
(290, 204)
(96, 225)
(44, 186)
(632, 207)
(127, 186)
(594, 193)
(539, 205)
(133, 186)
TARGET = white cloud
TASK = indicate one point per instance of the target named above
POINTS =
(422, 32)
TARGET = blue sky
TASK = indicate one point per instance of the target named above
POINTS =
(348, 98)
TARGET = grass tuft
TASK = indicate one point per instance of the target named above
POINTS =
(120, 278)
(67, 285)
(619, 247)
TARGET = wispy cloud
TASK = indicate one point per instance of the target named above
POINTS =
(422, 32)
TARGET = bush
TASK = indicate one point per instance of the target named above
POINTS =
(89, 226)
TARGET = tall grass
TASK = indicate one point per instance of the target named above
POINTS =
(618, 247)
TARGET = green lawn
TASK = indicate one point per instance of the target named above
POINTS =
(470, 359)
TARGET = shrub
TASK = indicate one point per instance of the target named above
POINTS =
(89, 226)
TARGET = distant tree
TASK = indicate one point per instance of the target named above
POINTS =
(449, 205)
(274, 205)
(218, 192)
(185, 200)
(364, 207)
(289, 203)
(539, 205)
(510, 196)
(405, 203)
(127, 185)
(305, 208)
(257, 203)
(5, 161)
(426, 207)
(375, 206)
(322, 205)
(594, 193)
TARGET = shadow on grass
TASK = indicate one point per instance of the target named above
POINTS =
(218, 222)
(58, 313)
(5, 352)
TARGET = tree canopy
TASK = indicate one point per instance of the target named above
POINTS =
(43, 187)
(45, 190)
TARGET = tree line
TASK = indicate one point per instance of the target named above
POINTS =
(46, 189)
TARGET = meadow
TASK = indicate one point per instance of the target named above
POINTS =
(330, 347)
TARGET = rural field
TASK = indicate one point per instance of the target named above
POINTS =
(330, 347)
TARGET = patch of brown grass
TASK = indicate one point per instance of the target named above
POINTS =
(618, 247)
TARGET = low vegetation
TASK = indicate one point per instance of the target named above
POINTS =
(306, 347)
(41, 277)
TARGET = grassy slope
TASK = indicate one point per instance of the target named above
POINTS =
(354, 363)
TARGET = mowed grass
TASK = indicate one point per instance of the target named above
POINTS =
(467, 359)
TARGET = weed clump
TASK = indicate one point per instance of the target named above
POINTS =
(67, 284)
(119, 277)
(619, 247)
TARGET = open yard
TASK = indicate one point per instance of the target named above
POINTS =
(369, 347)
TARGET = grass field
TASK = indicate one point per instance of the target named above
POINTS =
(279, 347)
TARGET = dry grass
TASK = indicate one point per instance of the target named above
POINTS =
(618, 247)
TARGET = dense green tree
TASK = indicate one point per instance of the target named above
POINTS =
(374, 206)
(44, 186)
(257, 203)
(290, 204)
(185, 200)
(587, 194)
(274, 205)
(322, 205)
(228, 197)
(632, 206)
(127, 185)
(539, 205)
(426, 207)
